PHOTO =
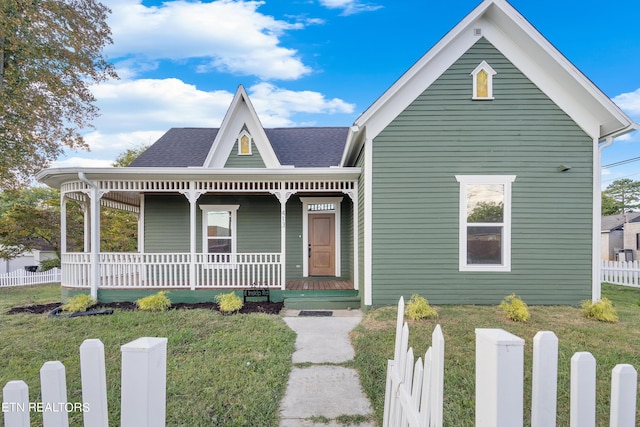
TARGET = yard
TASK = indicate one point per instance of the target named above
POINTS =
(610, 344)
(233, 370)
(221, 370)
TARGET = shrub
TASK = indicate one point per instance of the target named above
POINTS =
(78, 303)
(156, 302)
(50, 264)
(514, 308)
(229, 303)
(418, 308)
(602, 310)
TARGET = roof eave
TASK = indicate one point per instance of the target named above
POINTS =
(55, 177)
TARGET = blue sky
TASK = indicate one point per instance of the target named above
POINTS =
(320, 62)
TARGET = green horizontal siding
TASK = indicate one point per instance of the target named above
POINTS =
(416, 196)
(258, 229)
(254, 160)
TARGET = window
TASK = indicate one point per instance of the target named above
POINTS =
(219, 231)
(244, 144)
(485, 222)
(483, 81)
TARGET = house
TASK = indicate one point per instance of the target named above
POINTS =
(474, 176)
(619, 232)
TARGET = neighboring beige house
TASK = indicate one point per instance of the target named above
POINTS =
(620, 232)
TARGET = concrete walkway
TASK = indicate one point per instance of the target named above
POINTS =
(323, 391)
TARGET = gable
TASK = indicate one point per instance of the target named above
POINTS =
(510, 33)
(241, 117)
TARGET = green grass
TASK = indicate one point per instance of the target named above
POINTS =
(221, 370)
(610, 344)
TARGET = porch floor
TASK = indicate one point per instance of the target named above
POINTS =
(319, 284)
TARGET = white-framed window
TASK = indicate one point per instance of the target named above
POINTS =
(219, 238)
(485, 222)
(244, 144)
(483, 81)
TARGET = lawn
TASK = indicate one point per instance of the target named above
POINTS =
(610, 344)
(221, 370)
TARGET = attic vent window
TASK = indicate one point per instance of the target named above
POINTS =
(244, 144)
(483, 81)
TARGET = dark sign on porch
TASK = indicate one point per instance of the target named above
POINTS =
(256, 293)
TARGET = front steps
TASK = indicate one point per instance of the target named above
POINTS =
(322, 300)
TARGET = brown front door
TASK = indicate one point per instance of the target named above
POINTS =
(322, 255)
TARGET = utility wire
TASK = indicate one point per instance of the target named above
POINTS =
(621, 162)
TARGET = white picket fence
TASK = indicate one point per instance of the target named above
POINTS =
(625, 273)
(143, 389)
(22, 277)
(414, 394)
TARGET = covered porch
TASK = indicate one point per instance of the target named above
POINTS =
(243, 263)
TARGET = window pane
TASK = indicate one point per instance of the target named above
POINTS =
(484, 245)
(219, 246)
(219, 224)
(485, 203)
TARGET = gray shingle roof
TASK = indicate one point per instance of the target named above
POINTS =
(300, 147)
(179, 147)
(615, 222)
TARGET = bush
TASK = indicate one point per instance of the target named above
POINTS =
(157, 302)
(514, 308)
(50, 264)
(78, 303)
(229, 303)
(602, 310)
(418, 308)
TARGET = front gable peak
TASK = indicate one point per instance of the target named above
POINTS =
(241, 129)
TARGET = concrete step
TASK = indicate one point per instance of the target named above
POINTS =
(322, 302)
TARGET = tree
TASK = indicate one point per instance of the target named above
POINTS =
(610, 206)
(124, 159)
(50, 54)
(625, 192)
(487, 212)
(30, 219)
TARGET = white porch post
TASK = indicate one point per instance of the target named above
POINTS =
(283, 196)
(353, 195)
(192, 196)
(63, 225)
(95, 242)
(87, 225)
(95, 194)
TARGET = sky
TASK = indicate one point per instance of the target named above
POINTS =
(320, 62)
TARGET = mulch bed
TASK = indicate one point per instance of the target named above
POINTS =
(249, 307)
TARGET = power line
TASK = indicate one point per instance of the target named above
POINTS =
(621, 162)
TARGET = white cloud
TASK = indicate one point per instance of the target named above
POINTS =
(349, 7)
(231, 36)
(155, 104)
(630, 103)
(276, 106)
(138, 112)
(81, 162)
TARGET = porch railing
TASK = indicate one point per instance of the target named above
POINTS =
(173, 270)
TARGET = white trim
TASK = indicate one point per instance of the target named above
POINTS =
(248, 135)
(234, 226)
(141, 224)
(464, 181)
(240, 113)
(368, 220)
(526, 48)
(596, 245)
(306, 201)
(483, 66)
